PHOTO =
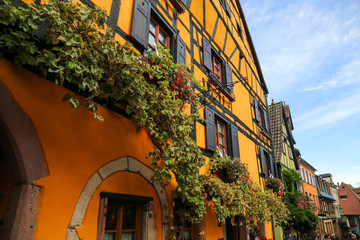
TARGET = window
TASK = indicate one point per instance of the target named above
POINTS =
(149, 28)
(343, 197)
(260, 115)
(234, 231)
(239, 31)
(267, 168)
(221, 134)
(220, 71)
(122, 217)
(157, 35)
(122, 221)
(216, 67)
(284, 145)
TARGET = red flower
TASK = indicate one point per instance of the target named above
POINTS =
(146, 62)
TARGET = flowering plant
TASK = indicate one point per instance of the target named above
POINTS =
(276, 185)
(233, 169)
(303, 202)
(175, 75)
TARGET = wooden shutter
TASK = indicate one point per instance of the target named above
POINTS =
(102, 218)
(140, 22)
(266, 125)
(235, 141)
(210, 129)
(229, 81)
(262, 160)
(114, 15)
(207, 53)
(227, 8)
(256, 103)
(180, 51)
(271, 164)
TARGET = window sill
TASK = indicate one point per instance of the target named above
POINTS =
(218, 85)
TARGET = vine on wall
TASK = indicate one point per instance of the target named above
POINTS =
(73, 47)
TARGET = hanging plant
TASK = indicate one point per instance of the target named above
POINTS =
(276, 186)
(178, 78)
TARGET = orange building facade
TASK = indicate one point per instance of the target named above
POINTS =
(67, 176)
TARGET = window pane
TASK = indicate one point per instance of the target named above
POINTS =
(162, 36)
(128, 236)
(220, 129)
(111, 217)
(152, 27)
(221, 140)
(129, 217)
(151, 40)
(110, 236)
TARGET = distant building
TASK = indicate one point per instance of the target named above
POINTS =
(327, 216)
(283, 145)
(337, 208)
(350, 203)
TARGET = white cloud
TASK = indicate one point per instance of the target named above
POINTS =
(348, 74)
(296, 43)
(329, 114)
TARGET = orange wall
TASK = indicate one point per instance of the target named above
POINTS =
(310, 189)
(75, 146)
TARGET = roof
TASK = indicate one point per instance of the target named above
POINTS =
(252, 48)
(276, 118)
(307, 165)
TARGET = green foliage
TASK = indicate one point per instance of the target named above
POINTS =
(291, 179)
(238, 195)
(301, 216)
(276, 186)
(76, 50)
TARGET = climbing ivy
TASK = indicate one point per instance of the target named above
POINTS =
(69, 43)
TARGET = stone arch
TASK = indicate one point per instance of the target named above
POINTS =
(122, 164)
(23, 152)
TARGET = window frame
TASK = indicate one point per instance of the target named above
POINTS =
(266, 163)
(143, 13)
(120, 219)
(231, 132)
(144, 206)
(261, 116)
(225, 83)
(224, 135)
(158, 28)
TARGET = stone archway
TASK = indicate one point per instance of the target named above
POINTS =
(122, 164)
(22, 150)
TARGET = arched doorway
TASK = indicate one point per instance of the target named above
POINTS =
(22, 158)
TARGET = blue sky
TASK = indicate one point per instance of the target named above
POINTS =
(309, 52)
